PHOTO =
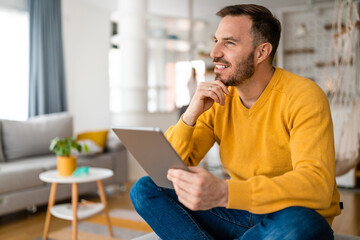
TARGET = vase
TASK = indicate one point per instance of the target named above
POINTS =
(66, 165)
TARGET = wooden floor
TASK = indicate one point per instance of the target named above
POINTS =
(27, 226)
(348, 222)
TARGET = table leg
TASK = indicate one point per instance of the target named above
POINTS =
(48, 214)
(103, 201)
(74, 200)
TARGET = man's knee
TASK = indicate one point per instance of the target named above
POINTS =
(140, 192)
(301, 223)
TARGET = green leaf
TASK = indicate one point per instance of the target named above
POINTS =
(86, 148)
(53, 144)
(63, 146)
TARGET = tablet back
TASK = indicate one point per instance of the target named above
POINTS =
(153, 152)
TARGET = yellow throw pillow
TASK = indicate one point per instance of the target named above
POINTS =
(98, 137)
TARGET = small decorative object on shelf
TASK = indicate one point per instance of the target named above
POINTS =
(299, 51)
(66, 163)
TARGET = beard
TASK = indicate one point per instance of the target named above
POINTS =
(243, 71)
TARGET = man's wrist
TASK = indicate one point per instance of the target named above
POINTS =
(189, 120)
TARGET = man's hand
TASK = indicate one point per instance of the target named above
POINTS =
(206, 94)
(199, 189)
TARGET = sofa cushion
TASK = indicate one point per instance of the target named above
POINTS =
(98, 137)
(32, 137)
(46, 162)
(93, 148)
(103, 161)
(2, 157)
(20, 177)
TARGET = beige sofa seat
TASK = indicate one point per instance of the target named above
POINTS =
(14, 179)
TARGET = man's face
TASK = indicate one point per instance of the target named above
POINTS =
(233, 52)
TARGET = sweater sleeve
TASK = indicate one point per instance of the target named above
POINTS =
(192, 143)
(311, 181)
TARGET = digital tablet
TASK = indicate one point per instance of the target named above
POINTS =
(152, 151)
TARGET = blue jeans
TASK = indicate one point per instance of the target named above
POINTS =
(169, 219)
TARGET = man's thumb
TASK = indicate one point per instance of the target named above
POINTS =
(197, 169)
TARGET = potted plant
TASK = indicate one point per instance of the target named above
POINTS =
(66, 163)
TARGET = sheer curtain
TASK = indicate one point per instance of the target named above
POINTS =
(47, 79)
(14, 63)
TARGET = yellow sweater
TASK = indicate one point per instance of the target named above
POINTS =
(278, 153)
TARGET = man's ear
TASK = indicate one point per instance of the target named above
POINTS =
(263, 52)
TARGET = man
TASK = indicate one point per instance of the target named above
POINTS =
(275, 133)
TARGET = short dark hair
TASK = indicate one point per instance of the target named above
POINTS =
(265, 26)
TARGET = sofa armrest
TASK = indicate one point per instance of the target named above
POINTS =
(119, 153)
(113, 143)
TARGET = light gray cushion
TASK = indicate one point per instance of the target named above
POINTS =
(15, 179)
(45, 162)
(93, 148)
(32, 137)
(2, 157)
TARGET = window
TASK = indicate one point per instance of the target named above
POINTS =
(168, 87)
(183, 78)
(116, 102)
(177, 87)
(14, 62)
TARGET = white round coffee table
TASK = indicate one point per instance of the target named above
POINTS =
(72, 211)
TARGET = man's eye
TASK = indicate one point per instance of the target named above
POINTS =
(229, 43)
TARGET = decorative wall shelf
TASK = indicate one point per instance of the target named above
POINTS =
(299, 51)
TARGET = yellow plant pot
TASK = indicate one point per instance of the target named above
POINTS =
(66, 165)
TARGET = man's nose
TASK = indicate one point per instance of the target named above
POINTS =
(216, 51)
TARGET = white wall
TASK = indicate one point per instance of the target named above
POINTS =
(86, 34)
(15, 4)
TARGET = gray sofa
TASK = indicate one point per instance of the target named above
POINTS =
(24, 154)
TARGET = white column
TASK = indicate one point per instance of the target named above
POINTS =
(134, 51)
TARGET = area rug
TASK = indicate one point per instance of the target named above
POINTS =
(126, 224)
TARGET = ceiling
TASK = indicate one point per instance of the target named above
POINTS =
(201, 8)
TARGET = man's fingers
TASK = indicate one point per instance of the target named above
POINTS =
(215, 90)
(188, 176)
(190, 202)
(220, 93)
(213, 93)
(187, 197)
(185, 186)
(181, 175)
(189, 182)
(198, 189)
(205, 93)
(223, 87)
